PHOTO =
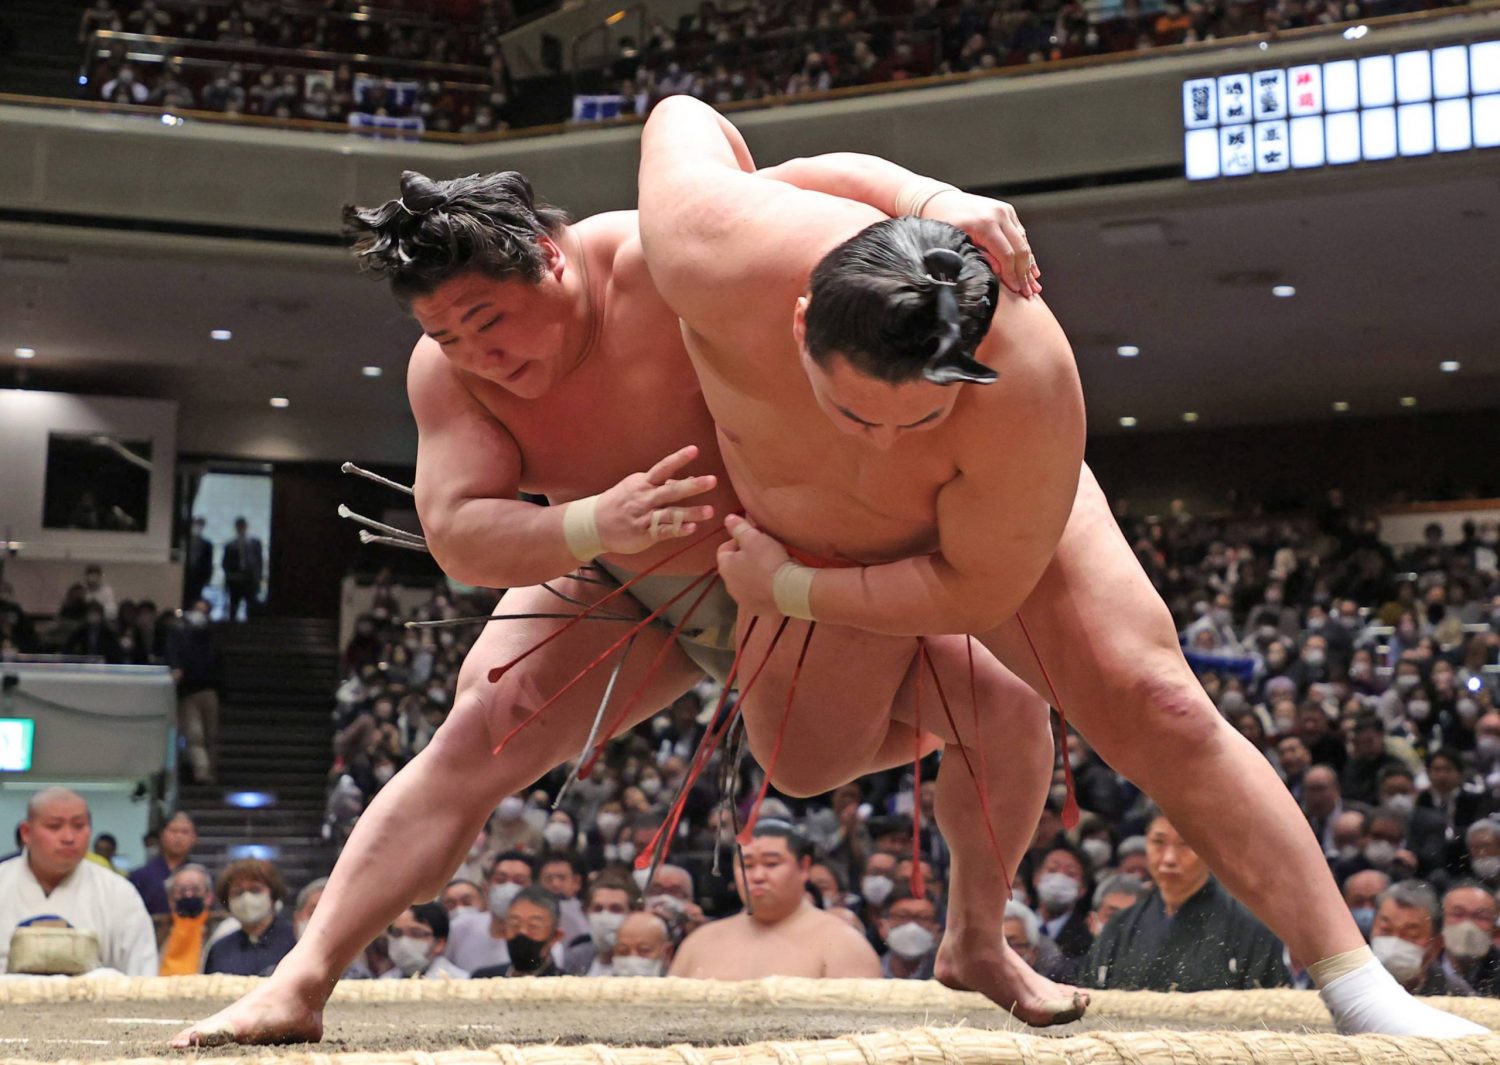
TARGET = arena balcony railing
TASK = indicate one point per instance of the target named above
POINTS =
(1198, 48)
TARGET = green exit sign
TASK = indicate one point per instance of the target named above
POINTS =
(16, 736)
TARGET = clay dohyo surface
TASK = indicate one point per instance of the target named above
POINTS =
(56, 1031)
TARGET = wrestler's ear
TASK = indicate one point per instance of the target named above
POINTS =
(556, 258)
(799, 322)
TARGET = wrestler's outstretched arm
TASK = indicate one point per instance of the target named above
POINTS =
(468, 478)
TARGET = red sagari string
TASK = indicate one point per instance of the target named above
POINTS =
(500, 671)
(652, 671)
(601, 659)
(980, 784)
(664, 835)
(765, 785)
(1070, 807)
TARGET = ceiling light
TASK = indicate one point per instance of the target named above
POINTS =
(1340, 406)
(1127, 351)
(1283, 292)
(26, 353)
(280, 402)
(221, 334)
(372, 371)
(1127, 421)
(1190, 416)
(1354, 33)
(1448, 366)
(1408, 401)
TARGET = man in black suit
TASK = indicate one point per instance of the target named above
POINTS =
(244, 568)
(198, 568)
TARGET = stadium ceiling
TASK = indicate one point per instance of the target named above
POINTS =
(1394, 267)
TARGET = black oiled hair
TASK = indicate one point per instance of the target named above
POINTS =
(437, 230)
(796, 840)
(874, 302)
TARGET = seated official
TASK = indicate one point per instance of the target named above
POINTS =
(643, 946)
(781, 933)
(251, 890)
(532, 931)
(415, 943)
(186, 928)
(1187, 935)
(49, 886)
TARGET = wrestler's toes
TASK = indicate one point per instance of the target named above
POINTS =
(204, 1035)
(1065, 1011)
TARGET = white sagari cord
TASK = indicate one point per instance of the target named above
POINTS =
(1368, 1000)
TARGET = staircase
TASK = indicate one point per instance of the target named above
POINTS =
(46, 55)
(275, 738)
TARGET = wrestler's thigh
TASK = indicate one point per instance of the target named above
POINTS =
(841, 710)
(484, 712)
(984, 700)
(1097, 622)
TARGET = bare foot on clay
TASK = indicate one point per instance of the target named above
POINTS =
(1000, 975)
(271, 1013)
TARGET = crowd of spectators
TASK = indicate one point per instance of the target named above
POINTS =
(447, 71)
(766, 49)
(758, 50)
(1364, 675)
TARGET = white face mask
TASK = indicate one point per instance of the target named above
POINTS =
(1486, 868)
(609, 824)
(604, 929)
(511, 807)
(626, 851)
(911, 941)
(557, 834)
(1314, 657)
(1404, 804)
(1401, 959)
(1419, 709)
(1488, 746)
(1406, 682)
(408, 954)
(1466, 940)
(251, 907)
(876, 889)
(1380, 853)
(634, 966)
(1057, 891)
(501, 896)
(651, 787)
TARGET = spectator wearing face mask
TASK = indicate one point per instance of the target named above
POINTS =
(509, 830)
(1482, 841)
(608, 901)
(532, 934)
(643, 947)
(563, 875)
(1470, 962)
(251, 890)
(307, 901)
(1384, 849)
(478, 940)
(672, 898)
(1061, 890)
(462, 896)
(1117, 893)
(1404, 936)
(1187, 935)
(1361, 777)
(1360, 894)
(184, 930)
(909, 927)
(1459, 802)
(415, 942)
(1427, 833)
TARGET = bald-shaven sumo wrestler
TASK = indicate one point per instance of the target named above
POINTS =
(881, 400)
(548, 364)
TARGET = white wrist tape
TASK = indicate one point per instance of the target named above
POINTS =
(1328, 970)
(916, 193)
(792, 590)
(581, 529)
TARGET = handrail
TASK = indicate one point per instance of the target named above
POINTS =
(602, 30)
(1025, 70)
(306, 57)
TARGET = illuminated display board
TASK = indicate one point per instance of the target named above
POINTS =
(1327, 114)
(16, 735)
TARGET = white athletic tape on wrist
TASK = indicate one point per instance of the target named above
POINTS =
(1328, 970)
(581, 529)
(916, 193)
(792, 590)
